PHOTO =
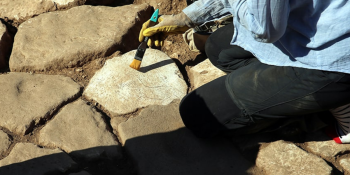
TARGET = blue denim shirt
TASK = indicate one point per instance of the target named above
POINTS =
(313, 34)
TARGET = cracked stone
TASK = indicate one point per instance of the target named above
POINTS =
(115, 121)
(203, 73)
(5, 142)
(281, 157)
(120, 89)
(6, 42)
(27, 99)
(80, 130)
(345, 164)
(29, 159)
(324, 147)
(22, 10)
(61, 39)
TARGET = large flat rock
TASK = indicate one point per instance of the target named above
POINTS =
(165, 7)
(327, 149)
(29, 159)
(27, 99)
(282, 158)
(108, 2)
(80, 131)
(120, 89)
(323, 146)
(345, 164)
(203, 73)
(22, 10)
(73, 37)
(4, 142)
(6, 42)
(159, 144)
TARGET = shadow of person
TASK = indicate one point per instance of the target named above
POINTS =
(171, 153)
(180, 152)
(29, 162)
(176, 152)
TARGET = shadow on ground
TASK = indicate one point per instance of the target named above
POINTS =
(171, 153)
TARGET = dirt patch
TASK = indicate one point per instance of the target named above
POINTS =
(176, 48)
(166, 7)
(82, 74)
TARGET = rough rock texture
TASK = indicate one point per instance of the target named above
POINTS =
(159, 144)
(120, 89)
(327, 149)
(203, 73)
(108, 2)
(20, 10)
(115, 121)
(152, 120)
(4, 142)
(71, 38)
(345, 164)
(81, 131)
(324, 147)
(26, 99)
(29, 159)
(6, 42)
(281, 157)
(167, 7)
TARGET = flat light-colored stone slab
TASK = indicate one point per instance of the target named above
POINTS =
(345, 164)
(108, 2)
(73, 37)
(120, 89)
(6, 42)
(80, 131)
(159, 144)
(22, 10)
(282, 158)
(4, 142)
(26, 99)
(203, 73)
(325, 147)
(115, 121)
(165, 7)
(29, 159)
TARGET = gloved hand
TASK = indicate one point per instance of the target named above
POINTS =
(167, 25)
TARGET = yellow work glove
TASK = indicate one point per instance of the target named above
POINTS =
(167, 25)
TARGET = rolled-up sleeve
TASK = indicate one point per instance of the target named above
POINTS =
(265, 19)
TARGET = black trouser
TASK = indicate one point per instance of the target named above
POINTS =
(254, 96)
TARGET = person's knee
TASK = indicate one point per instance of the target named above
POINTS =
(211, 51)
(196, 117)
(208, 45)
(184, 108)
